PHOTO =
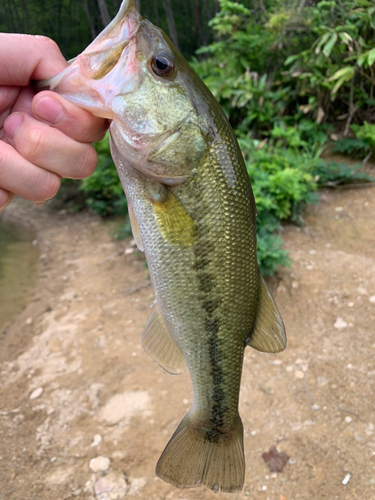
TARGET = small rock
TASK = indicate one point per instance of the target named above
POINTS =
(295, 285)
(370, 429)
(309, 268)
(312, 252)
(276, 460)
(339, 209)
(97, 439)
(322, 381)
(372, 299)
(289, 368)
(340, 323)
(53, 459)
(361, 290)
(348, 419)
(346, 479)
(64, 278)
(136, 484)
(36, 393)
(118, 455)
(100, 464)
(128, 251)
(315, 407)
(34, 243)
(44, 256)
(29, 321)
(111, 487)
(299, 374)
(350, 304)
(281, 289)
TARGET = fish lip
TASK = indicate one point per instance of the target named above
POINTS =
(124, 28)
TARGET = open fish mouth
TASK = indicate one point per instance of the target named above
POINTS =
(110, 59)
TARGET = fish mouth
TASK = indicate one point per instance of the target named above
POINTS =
(106, 68)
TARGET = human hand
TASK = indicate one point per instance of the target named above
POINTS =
(43, 137)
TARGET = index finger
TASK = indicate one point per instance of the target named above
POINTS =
(28, 57)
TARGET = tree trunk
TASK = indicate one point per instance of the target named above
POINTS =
(170, 20)
(106, 19)
(89, 19)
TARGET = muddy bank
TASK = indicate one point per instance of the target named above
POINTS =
(77, 385)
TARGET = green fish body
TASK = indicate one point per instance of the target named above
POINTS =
(193, 213)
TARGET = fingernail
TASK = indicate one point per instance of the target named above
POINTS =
(12, 124)
(48, 110)
(39, 203)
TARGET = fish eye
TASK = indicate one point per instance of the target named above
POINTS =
(162, 64)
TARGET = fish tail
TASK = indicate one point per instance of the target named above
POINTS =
(198, 454)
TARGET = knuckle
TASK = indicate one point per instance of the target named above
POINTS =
(49, 186)
(34, 147)
(88, 163)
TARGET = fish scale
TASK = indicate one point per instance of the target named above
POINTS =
(193, 213)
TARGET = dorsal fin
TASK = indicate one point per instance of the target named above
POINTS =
(159, 344)
(269, 331)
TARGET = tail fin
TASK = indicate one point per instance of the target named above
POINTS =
(198, 455)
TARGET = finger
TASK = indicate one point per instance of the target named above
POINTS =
(75, 122)
(49, 148)
(26, 57)
(21, 177)
(5, 198)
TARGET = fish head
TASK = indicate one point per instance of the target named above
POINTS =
(133, 75)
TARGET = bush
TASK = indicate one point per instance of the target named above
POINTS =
(103, 190)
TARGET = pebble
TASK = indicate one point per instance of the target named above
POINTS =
(350, 304)
(346, 479)
(348, 419)
(100, 464)
(299, 374)
(289, 368)
(340, 323)
(309, 268)
(64, 278)
(97, 439)
(29, 321)
(372, 299)
(111, 487)
(312, 252)
(322, 381)
(295, 285)
(36, 393)
(361, 290)
(339, 209)
(315, 407)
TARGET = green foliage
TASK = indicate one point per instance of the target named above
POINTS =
(276, 71)
(359, 146)
(103, 190)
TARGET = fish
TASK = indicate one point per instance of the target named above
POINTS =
(193, 213)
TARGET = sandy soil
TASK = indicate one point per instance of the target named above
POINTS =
(99, 395)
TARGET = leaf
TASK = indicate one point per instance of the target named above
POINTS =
(290, 59)
(329, 45)
(371, 57)
(321, 42)
(346, 72)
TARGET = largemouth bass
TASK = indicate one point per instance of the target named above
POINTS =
(193, 213)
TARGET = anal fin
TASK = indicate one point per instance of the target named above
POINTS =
(269, 331)
(159, 344)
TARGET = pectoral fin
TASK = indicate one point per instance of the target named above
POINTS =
(269, 331)
(174, 221)
(159, 344)
(135, 228)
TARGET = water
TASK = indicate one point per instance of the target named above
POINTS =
(18, 270)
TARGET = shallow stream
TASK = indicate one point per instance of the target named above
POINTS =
(18, 271)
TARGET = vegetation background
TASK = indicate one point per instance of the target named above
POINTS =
(294, 77)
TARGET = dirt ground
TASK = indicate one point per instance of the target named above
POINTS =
(77, 385)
